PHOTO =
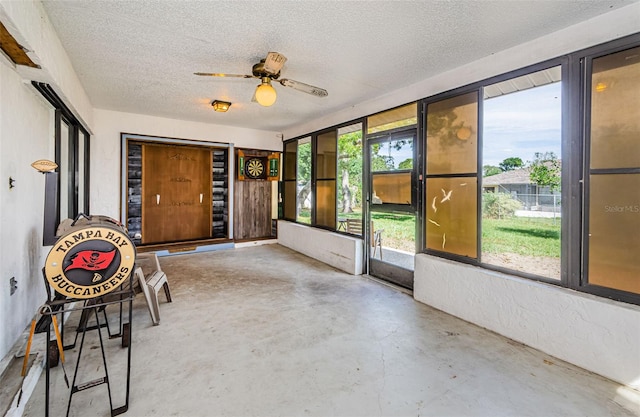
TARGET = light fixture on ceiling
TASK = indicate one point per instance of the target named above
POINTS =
(221, 106)
(265, 93)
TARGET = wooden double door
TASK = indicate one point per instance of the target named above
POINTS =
(176, 193)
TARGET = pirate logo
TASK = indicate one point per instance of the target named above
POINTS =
(90, 262)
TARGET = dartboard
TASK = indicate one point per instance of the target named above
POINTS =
(254, 168)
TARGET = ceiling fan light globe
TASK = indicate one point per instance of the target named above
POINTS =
(266, 94)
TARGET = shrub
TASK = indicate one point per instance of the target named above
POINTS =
(499, 205)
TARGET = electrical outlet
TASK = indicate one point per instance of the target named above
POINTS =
(13, 285)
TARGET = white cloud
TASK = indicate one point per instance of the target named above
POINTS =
(521, 124)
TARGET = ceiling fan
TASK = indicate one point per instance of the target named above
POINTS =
(268, 70)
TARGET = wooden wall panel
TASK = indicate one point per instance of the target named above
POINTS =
(252, 210)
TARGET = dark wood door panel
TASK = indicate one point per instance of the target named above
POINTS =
(176, 194)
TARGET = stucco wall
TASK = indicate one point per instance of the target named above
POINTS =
(342, 252)
(106, 147)
(594, 333)
(25, 136)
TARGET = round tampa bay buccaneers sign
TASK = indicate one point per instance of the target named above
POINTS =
(90, 261)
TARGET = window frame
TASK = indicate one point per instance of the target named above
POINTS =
(585, 60)
(286, 163)
(316, 178)
(338, 174)
(423, 105)
(574, 156)
(314, 138)
(566, 147)
(390, 135)
(311, 178)
(76, 133)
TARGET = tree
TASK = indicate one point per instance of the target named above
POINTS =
(380, 162)
(545, 170)
(509, 164)
(499, 205)
(304, 173)
(442, 125)
(406, 164)
(489, 170)
(350, 168)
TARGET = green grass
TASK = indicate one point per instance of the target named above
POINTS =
(399, 230)
(304, 216)
(522, 235)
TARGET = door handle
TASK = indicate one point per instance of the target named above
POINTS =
(157, 198)
(200, 198)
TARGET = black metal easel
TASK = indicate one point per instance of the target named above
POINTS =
(93, 306)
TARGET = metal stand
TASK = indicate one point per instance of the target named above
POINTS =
(93, 306)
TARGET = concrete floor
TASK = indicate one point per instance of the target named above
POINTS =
(265, 331)
(397, 257)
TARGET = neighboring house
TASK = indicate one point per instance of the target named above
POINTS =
(518, 183)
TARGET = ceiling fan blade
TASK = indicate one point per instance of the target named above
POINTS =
(219, 74)
(306, 88)
(274, 62)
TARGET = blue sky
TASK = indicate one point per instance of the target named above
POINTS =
(521, 124)
(399, 155)
(515, 125)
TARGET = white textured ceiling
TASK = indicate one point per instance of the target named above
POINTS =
(140, 56)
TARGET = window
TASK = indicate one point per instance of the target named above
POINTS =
(72, 156)
(82, 173)
(451, 181)
(521, 145)
(613, 189)
(391, 168)
(391, 144)
(63, 147)
(290, 179)
(391, 154)
(326, 171)
(304, 190)
(349, 202)
(535, 173)
(393, 119)
(528, 123)
(323, 177)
